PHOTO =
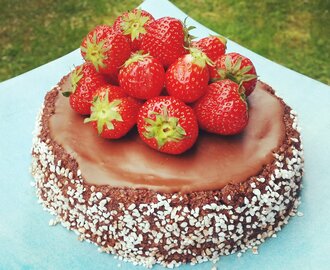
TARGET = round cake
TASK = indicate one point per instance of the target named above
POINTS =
(224, 195)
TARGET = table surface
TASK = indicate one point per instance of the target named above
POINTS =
(27, 241)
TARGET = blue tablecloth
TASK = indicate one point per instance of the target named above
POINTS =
(26, 240)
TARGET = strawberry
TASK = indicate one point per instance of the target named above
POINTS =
(239, 69)
(133, 25)
(112, 79)
(222, 110)
(167, 125)
(188, 77)
(165, 39)
(112, 91)
(113, 118)
(142, 76)
(84, 82)
(106, 49)
(214, 47)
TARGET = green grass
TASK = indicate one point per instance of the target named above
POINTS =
(39, 31)
(292, 33)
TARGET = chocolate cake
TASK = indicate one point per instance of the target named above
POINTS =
(225, 195)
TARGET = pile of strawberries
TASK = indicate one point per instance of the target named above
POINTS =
(151, 73)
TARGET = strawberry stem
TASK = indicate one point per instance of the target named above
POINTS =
(200, 58)
(95, 52)
(164, 128)
(223, 40)
(133, 24)
(104, 113)
(136, 57)
(234, 72)
(75, 77)
(187, 36)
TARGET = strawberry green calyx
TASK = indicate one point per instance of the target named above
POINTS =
(136, 57)
(241, 92)
(187, 36)
(133, 24)
(95, 52)
(235, 72)
(164, 128)
(200, 58)
(104, 113)
(75, 77)
(222, 39)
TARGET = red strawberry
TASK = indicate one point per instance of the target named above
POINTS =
(112, 79)
(188, 77)
(167, 125)
(142, 76)
(133, 25)
(84, 81)
(239, 69)
(106, 48)
(214, 47)
(113, 118)
(165, 39)
(112, 91)
(222, 110)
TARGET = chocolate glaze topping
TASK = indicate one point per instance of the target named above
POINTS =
(211, 164)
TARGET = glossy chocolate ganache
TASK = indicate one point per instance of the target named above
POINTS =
(211, 164)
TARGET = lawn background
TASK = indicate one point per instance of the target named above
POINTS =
(292, 33)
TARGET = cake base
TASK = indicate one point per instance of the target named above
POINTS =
(147, 227)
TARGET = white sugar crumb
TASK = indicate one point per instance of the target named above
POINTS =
(255, 250)
(53, 222)
(300, 214)
(99, 195)
(239, 254)
(256, 192)
(262, 180)
(214, 267)
(215, 260)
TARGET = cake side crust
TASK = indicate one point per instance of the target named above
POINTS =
(148, 227)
